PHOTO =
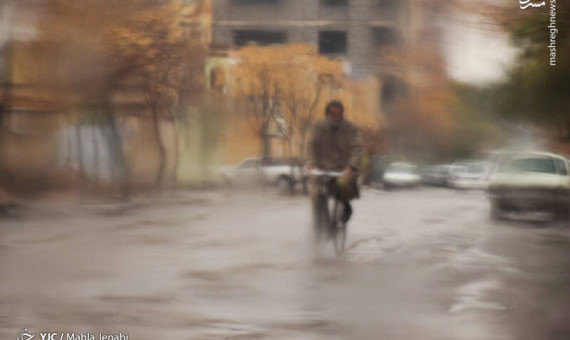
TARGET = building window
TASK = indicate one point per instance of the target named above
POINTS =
(334, 2)
(388, 6)
(333, 42)
(262, 38)
(21, 122)
(392, 90)
(385, 36)
(217, 79)
(3, 69)
(255, 2)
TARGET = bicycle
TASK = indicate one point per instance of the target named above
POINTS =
(330, 209)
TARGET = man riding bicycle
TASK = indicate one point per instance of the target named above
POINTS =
(336, 145)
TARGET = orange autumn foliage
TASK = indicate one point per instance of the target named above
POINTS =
(428, 107)
(291, 85)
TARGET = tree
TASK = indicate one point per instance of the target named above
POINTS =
(536, 89)
(420, 121)
(171, 70)
(282, 87)
(100, 46)
(85, 68)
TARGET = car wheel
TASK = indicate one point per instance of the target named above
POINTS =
(228, 183)
(563, 213)
(305, 184)
(497, 212)
(285, 185)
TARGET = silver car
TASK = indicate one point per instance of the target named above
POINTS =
(399, 175)
(469, 175)
(530, 181)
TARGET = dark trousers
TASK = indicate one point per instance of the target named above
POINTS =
(347, 192)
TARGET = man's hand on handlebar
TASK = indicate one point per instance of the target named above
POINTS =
(349, 173)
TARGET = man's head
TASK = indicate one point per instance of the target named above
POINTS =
(334, 112)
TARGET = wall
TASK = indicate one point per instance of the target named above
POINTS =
(302, 20)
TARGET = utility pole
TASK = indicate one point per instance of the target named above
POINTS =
(5, 60)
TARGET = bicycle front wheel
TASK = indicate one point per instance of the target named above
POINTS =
(322, 221)
(339, 228)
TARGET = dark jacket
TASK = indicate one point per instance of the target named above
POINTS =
(335, 149)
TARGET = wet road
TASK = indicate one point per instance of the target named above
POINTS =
(425, 264)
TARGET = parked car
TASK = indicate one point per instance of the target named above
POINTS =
(530, 181)
(469, 175)
(376, 168)
(282, 173)
(398, 175)
(436, 175)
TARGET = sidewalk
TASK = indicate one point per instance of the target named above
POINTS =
(67, 203)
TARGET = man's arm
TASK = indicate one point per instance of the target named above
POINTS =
(356, 150)
(312, 146)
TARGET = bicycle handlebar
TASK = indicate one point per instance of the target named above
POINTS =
(319, 172)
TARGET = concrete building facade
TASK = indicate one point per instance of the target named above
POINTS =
(354, 30)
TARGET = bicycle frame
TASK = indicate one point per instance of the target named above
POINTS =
(328, 189)
(326, 179)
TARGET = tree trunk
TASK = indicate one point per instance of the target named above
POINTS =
(117, 153)
(96, 170)
(205, 147)
(161, 150)
(6, 104)
(302, 147)
(79, 142)
(69, 150)
(303, 160)
(176, 157)
(266, 147)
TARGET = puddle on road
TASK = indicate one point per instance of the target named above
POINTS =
(357, 243)
(224, 273)
(125, 300)
(471, 297)
(553, 240)
(304, 324)
(475, 258)
(369, 249)
(145, 224)
(433, 220)
(468, 303)
(40, 238)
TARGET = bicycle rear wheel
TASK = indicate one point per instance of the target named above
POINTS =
(322, 223)
(339, 228)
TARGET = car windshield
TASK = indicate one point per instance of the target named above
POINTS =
(540, 165)
(476, 169)
(248, 164)
(561, 167)
(401, 168)
(459, 169)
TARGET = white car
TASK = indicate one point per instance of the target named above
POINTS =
(399, 175)
(469, 175)
(436, 175)
(254, 171)
(530, 181)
